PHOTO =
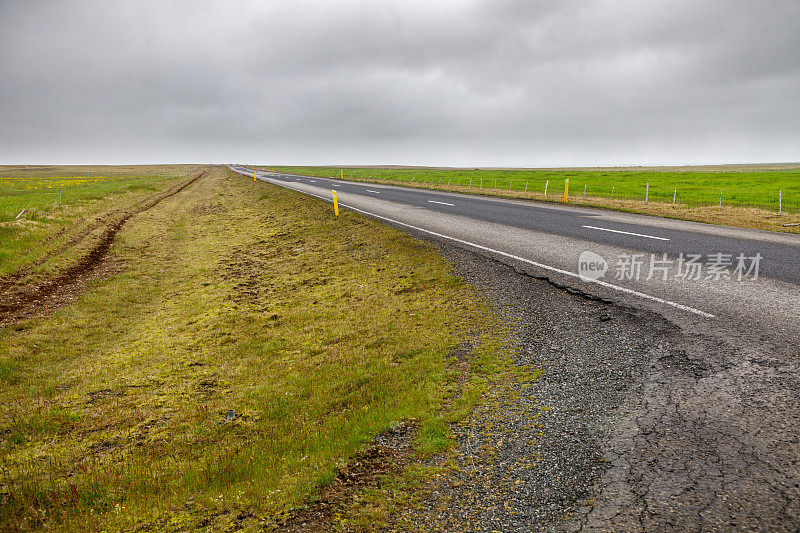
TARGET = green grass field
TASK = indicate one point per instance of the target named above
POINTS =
(37, 189)
(694, 188)
(39, 196)
(37, 203)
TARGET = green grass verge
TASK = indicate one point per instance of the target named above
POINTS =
(252, 342)
(694, 188)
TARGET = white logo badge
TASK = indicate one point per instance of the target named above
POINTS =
(591, 265)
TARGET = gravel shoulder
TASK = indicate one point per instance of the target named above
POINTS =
(635, 424)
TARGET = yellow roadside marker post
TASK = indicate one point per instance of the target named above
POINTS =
(341, 174)
(566, 190)
(335, 204)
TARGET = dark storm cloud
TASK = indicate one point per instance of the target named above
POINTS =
(463, 83)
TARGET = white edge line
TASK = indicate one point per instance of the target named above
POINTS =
(528, 261)
(443, 203)
(370, 190)
(628, 233)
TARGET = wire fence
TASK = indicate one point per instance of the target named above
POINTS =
(741, 196)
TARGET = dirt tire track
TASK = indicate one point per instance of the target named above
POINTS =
(21, 302)
(11, 280)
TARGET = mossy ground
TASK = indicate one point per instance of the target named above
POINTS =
(250, 343)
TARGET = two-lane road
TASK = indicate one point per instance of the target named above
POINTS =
(548, 239)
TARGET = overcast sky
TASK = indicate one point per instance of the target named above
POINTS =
(465, 83)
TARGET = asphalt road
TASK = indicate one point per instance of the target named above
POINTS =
(549, 239)
(666, 404)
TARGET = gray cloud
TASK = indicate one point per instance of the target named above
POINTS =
(510, 82)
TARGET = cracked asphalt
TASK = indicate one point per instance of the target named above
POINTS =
(636, 424)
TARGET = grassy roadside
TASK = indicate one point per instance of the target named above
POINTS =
(750, 197)
(43, 209)
(488, 399)
(251, 343)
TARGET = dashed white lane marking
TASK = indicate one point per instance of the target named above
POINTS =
(443, 203)
(605, 284)
(628, 233)
(370, 190)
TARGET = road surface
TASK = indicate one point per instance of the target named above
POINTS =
(549, 239)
